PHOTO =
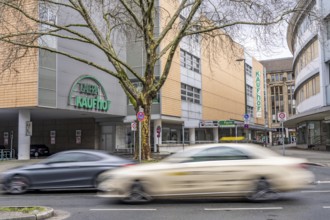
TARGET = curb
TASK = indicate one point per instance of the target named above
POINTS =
(49, 212)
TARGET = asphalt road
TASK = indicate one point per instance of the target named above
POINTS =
(310, 204)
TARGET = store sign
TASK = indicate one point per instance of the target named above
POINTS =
(227, 124)
(208, 124)
(258, 88)
(88, 93)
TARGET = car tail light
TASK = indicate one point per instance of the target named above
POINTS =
(302, 165)
(128, 165)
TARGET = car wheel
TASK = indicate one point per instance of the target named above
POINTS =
(262, 191)
(137, 194)
(17, 185)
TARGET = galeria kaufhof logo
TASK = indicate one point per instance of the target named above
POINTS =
(88, 93)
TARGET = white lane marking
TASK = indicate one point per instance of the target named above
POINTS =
(242, 209)
(123, 210)
(326, 207)
(315, 191)
(323, 182)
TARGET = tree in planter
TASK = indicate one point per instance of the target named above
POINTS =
(27, 25)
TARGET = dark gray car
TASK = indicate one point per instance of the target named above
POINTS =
(64, 170)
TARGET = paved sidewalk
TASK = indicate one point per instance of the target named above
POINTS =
(318, 157)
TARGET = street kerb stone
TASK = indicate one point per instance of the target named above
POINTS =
(49, 212)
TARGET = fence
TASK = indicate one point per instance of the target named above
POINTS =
(7, 154)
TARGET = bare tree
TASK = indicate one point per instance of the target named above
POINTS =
(25, 24)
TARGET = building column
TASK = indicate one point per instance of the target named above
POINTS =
(23, 140)
(215, 135)
(157, 140)
(192, 137)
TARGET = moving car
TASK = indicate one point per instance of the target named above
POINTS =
(38, 150)
(216, 170)
(64, 170)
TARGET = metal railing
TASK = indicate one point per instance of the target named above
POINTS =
(7, 154)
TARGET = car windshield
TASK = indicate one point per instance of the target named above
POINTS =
(181, 156)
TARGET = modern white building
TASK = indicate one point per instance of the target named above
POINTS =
(308, 38)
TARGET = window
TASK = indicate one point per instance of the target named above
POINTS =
(47, 13)
(310, 53)
(308, 89)
(138, 86)
(190, 94)
(328, 28)
(250, 111)
(189, 61)
(248, 70)
(219, 153)
(249, 91)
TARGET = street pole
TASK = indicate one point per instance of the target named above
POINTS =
(140, 153)
(283, 148)
(236, 132)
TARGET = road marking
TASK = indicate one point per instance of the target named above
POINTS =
(326, 207)
(123, 210)
(242, 209)
(315, 191)
(323, 182)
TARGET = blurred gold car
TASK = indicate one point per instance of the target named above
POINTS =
(215, 170)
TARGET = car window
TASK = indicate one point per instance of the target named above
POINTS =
(73, 157)
(220, 153)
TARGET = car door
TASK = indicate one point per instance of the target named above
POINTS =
(212, 170)
(73, 169)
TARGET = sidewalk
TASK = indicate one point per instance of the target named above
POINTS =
(317, 157)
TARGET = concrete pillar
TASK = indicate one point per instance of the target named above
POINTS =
(215, 135)
(23, 140)
(192, 137)
(156, 139)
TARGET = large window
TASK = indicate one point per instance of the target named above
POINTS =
(189, 61)
(249, 91)
(138, 85)
(277, 103)
(310, 88)
(250, 111)
(291, 101)
(310, 53)
(248, 70)
(328, 28)
(190, 94)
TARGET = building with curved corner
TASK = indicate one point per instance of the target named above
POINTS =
(308, 39)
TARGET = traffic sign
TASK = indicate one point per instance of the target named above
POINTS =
(246, 125)
(158, 129)
(246, 116)
(133, 126)
(140, 116)
(281, 116)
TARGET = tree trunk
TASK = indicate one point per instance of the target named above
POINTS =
(145, 136)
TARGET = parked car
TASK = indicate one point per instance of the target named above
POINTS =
(216, 170)
(38, 150)
(64, 170)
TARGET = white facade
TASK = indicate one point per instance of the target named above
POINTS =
(309, 42)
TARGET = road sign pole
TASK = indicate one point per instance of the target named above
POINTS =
(236, 132)
(140, 141)
(283, 147)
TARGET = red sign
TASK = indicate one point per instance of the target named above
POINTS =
(281, 116)
(158, 129)
(140, 116)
